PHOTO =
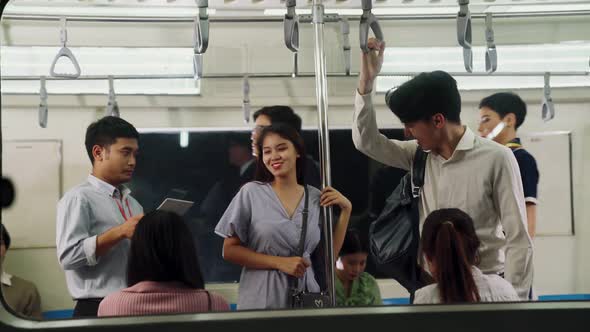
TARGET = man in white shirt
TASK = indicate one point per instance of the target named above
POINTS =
(96, 219)
(463, 170)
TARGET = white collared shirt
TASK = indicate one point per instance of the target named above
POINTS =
(6, 279)
(83, 213)
(491, 288)
(481, 178)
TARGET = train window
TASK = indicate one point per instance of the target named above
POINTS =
(115, 114)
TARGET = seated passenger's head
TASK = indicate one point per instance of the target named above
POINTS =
(425, 105)
(268, 115)
(4, 242)
(283, 154)
(112, 146)
(352, 259)
(504, 108)
(162, 249)
(450, 246)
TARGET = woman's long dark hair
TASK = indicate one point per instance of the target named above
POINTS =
(449, 241)
(162, 249)
(289, 133)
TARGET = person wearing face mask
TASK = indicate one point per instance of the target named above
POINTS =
(462, 170)
(263, 223)
(354, 286)
(96, 219)
(501, 114)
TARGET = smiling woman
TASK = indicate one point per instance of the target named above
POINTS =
(280, 146)
(273, 257)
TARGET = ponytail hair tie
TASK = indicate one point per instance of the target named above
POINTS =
(448, 223)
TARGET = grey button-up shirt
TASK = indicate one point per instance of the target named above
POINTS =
(83, 213)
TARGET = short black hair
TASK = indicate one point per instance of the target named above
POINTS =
(280, 113)
(505, 103)
(354, 243)
(4, 236)
(238, 139)
(424, 96)
(162, 249)
(105, 132)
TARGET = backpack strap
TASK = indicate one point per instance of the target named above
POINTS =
(418, 171)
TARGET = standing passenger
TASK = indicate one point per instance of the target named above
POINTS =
(96, 219)
(276, 114)
(462, 170)
(262, 225)
(506, 111)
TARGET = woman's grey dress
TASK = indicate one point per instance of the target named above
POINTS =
(257, 217)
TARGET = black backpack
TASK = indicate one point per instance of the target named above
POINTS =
(394, 236)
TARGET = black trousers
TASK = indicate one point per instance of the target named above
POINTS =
(86, 307)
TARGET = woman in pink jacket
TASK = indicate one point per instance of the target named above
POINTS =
(163, 272)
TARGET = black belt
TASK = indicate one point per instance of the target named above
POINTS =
(92, 299)
(86, 307)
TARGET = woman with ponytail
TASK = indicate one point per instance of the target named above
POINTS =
(450, 247)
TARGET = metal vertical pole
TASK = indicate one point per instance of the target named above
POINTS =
(324, 138)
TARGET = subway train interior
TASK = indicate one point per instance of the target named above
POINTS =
(203, 92)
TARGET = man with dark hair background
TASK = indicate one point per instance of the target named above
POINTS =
(96, 219)
(214, 205)
(463, 170)
(501, 114)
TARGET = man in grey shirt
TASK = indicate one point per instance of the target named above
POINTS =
(463, 170)
(96, 219)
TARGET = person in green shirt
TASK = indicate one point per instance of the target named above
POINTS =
(354, 286)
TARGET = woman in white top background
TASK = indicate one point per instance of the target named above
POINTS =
(450, 246)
